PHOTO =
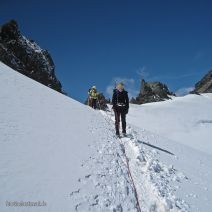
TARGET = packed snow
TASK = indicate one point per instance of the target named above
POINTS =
(187, 120)
(56, 150)
(178, 133)
(60, 152)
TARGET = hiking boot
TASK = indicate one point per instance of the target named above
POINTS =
(117, 134)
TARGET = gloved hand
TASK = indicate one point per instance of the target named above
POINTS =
(127, 110)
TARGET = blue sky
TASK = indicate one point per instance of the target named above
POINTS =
(98, 41)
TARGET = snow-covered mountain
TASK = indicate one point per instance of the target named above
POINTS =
(60, 152)
(26, 56)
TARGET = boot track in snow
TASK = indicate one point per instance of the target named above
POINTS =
(142, 168)
(129, 171)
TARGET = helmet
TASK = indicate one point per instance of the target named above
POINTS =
(94, 87)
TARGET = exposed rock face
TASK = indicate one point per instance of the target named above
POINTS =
(152, 92)
(204, 85)
(26, 57)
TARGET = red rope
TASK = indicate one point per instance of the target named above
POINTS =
(130, 175)
(133, 183)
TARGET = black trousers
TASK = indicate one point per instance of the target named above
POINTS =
(120, 113)
(93, 103)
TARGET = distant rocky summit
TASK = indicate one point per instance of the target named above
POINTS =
(26, 57)
(152, 92)
(204, 85)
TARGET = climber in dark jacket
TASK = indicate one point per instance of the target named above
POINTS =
(120, 103)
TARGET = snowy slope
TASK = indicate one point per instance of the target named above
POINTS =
(53, 148)
(178, 134)
(184, 119)
(56, 150)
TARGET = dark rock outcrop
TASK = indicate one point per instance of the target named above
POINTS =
(152, 92)
(26, 57)
(204, 85)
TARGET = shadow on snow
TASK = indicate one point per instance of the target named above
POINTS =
(156, 147)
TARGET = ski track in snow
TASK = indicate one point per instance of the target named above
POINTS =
(151, 177)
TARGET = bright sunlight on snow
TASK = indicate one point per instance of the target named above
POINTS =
(60, 152)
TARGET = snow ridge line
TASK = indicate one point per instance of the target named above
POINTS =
(128, 168)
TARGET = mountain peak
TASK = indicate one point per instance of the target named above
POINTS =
(10, 31)
(204, 85)
(152, 92)
(26, 56)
